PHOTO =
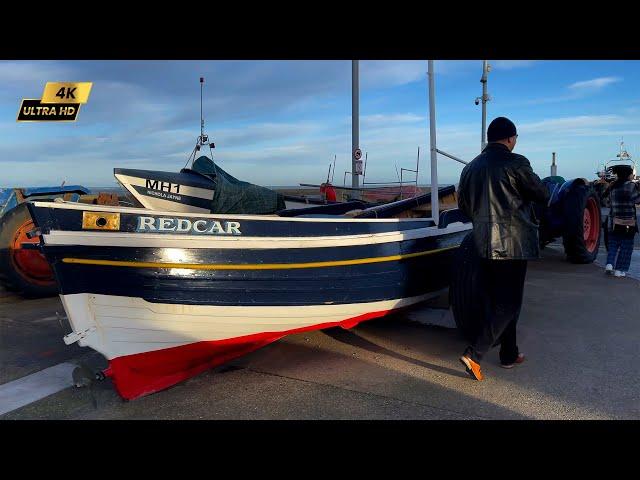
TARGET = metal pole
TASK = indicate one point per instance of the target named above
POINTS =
(364, 171)
(417, 168)
(355, 123)
(554, 168)
(483, 80)
(435, 206)
(451, 157)
(201, 116)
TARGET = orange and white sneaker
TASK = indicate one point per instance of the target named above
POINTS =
(473, 368)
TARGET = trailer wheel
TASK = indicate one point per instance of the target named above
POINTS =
(26, 272)
(582, 232)
(466, 292)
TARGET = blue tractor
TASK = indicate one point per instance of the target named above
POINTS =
(573, 214)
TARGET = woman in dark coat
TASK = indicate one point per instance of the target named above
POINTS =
(622, 224)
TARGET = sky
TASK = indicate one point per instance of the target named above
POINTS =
(281, 122)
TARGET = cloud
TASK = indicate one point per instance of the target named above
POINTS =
(511, 64)
(287, 153)
(390, 73)
(571, 125)
(256, 134)
(394, 73)
(170, 89)
(593, 84)
(376, 120)
(19, 73)
(577, 90)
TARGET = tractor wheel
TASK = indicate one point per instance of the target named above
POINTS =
(582, 231)
(466, 292)
(26, 272)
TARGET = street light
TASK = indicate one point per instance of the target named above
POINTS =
(486, 68)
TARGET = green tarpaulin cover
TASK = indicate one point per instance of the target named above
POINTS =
(235, 196)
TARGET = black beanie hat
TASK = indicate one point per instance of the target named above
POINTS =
(500, 128)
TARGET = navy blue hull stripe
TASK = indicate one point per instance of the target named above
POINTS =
(347, 284)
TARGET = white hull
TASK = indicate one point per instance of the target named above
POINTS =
(118, 326)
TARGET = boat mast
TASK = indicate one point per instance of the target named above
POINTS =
(435, 206)
(201, 115)
(356, 155)
(202, 139)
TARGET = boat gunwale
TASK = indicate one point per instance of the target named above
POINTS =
(109, 238)
(64, 205)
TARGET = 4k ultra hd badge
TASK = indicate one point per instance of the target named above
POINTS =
(60, 102)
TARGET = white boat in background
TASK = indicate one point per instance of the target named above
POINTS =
(606, 172)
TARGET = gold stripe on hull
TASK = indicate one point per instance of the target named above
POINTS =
(264, 266)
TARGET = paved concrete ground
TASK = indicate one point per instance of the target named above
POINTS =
(579, 330)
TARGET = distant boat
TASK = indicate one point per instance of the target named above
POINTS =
(606, 173)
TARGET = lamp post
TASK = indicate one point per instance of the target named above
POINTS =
(486, 68)
(435, 204)
(356, 155)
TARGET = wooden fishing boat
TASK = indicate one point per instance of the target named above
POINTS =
(166, 295)
(213, 268)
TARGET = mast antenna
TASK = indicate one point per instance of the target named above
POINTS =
(203, 139)
(201, 116)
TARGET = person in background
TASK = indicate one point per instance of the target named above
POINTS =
(622, 223)
(497, 190)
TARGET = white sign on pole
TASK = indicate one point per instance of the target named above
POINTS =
(357, 155)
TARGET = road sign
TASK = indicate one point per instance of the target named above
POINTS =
(357, 154)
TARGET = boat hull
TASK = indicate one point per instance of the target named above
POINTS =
(151, 346)
(166, 295)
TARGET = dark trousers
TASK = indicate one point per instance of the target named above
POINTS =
(504, 285)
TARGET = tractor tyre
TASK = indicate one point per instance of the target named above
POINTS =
(581, 238)
(24, 271)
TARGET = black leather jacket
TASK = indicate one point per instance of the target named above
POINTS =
(497, 190)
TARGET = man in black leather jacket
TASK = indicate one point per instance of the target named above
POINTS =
(497, 191)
